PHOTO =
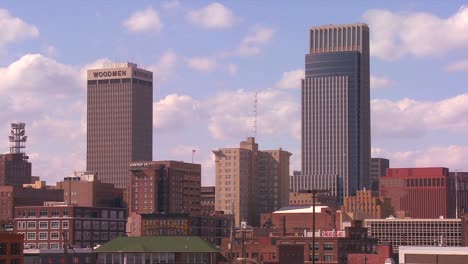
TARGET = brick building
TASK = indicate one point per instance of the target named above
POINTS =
(298, 219)
(14, 196)
(250, 181)
(381, 254)
(84, 189)
(207, 200)
(15, 169)
(366, 204)
(419, 192)
(164, 187)
(11, 248)
(209, 227)
(53, 224)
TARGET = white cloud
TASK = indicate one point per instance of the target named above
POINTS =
(212, 16)
(144, 20)
(277, 114)
(164, 67)
(291, 79)
(175, 111)
(452, 157)
(232, 69)
(379, 82)
(202, 64)
(461, 65)
(252, 44)
(13, 29)
(419, 34)
(411, 118)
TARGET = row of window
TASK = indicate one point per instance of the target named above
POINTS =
(22, 225)
(43, 235)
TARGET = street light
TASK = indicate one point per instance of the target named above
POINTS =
(314, 193)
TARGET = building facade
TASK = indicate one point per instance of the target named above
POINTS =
(164, 187)
(416, 232)
(336, 110)
(86, 190)
(419, 192)
(250, 182)
(378, 168)
(119, 120)
(459, 182)
(54, 224)
(15, 169)
(207, 200)
(11, 248)
(366, 205)
(14, 196)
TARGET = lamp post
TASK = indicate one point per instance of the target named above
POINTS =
(314, 193)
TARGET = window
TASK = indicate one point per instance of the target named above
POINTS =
(31, 236)
(31, 213)
(65, 212)
(54, 245)
(328, 258)
(15, 249)
(42, 235)
(43, 225)
(42, 245)
(43, 213)
(3, 247)
(327, 246)
(55, 213)
(55, 224)
(31, 225)
(54, 235)
(64, 224)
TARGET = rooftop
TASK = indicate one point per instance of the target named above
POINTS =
(299, 209)
(158, 244)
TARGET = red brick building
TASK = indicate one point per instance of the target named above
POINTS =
(11, 248)
(164, 187)
(53, 224)
(207, 200)
(13, 196)
(15, 169)
(419, 192)
(85, 189)
(382, 253)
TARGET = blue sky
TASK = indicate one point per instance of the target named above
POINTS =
(210, 58)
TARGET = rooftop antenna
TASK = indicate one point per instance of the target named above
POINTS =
(17, 138)
(193, 154)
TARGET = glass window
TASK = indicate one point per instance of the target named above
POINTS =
(31, 225)
(328, 246)
(43, 213)
(65, 224)
(31, 236)
(328, 258)
(43, 225)
(15, 249)
(55, 224)
(54, 245)
(42, 245)
(54, 235)
(3, 247)
(31, 213)
(42, 235)
(55, 213)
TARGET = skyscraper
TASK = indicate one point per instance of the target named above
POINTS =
(120, 117)
(336, 110)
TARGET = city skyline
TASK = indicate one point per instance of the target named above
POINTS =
(416, 120)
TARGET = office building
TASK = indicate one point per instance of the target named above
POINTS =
(51, 225)
(419, 192)
(417, 232)
(207, 200)
(84, 189)
(378, 168)
(11, 248)
(366, 205)
(164, 187)
(459, 182)
(250, 182)
(336, 110)
(295, 181)
(119, 120)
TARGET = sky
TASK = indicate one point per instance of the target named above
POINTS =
(213, 60)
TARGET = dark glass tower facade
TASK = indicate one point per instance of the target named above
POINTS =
(336, 110)
(119, 120)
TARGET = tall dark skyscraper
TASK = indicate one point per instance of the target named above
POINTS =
(336, 110)
(120, 118)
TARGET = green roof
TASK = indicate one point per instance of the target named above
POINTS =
(158, 244)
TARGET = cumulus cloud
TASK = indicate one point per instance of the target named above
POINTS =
(461, 65)
(13, 29)
(175, 111)
(212, 16)
(451, 156)
(144, 21)
(277, 114)
(291, 79)
(202, 64)
(171, 4)
(164, 67)
(411, 118)
(418, 34)
(379, 82)
(232, 69)
(252, 44)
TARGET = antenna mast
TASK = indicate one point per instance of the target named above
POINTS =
(17, 138)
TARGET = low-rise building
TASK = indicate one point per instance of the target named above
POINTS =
(53, 225)
(160, 249)
(11, 248)
(433, 255)
(416, 232)
(211, 228)
(366, 204)
(72, 255)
